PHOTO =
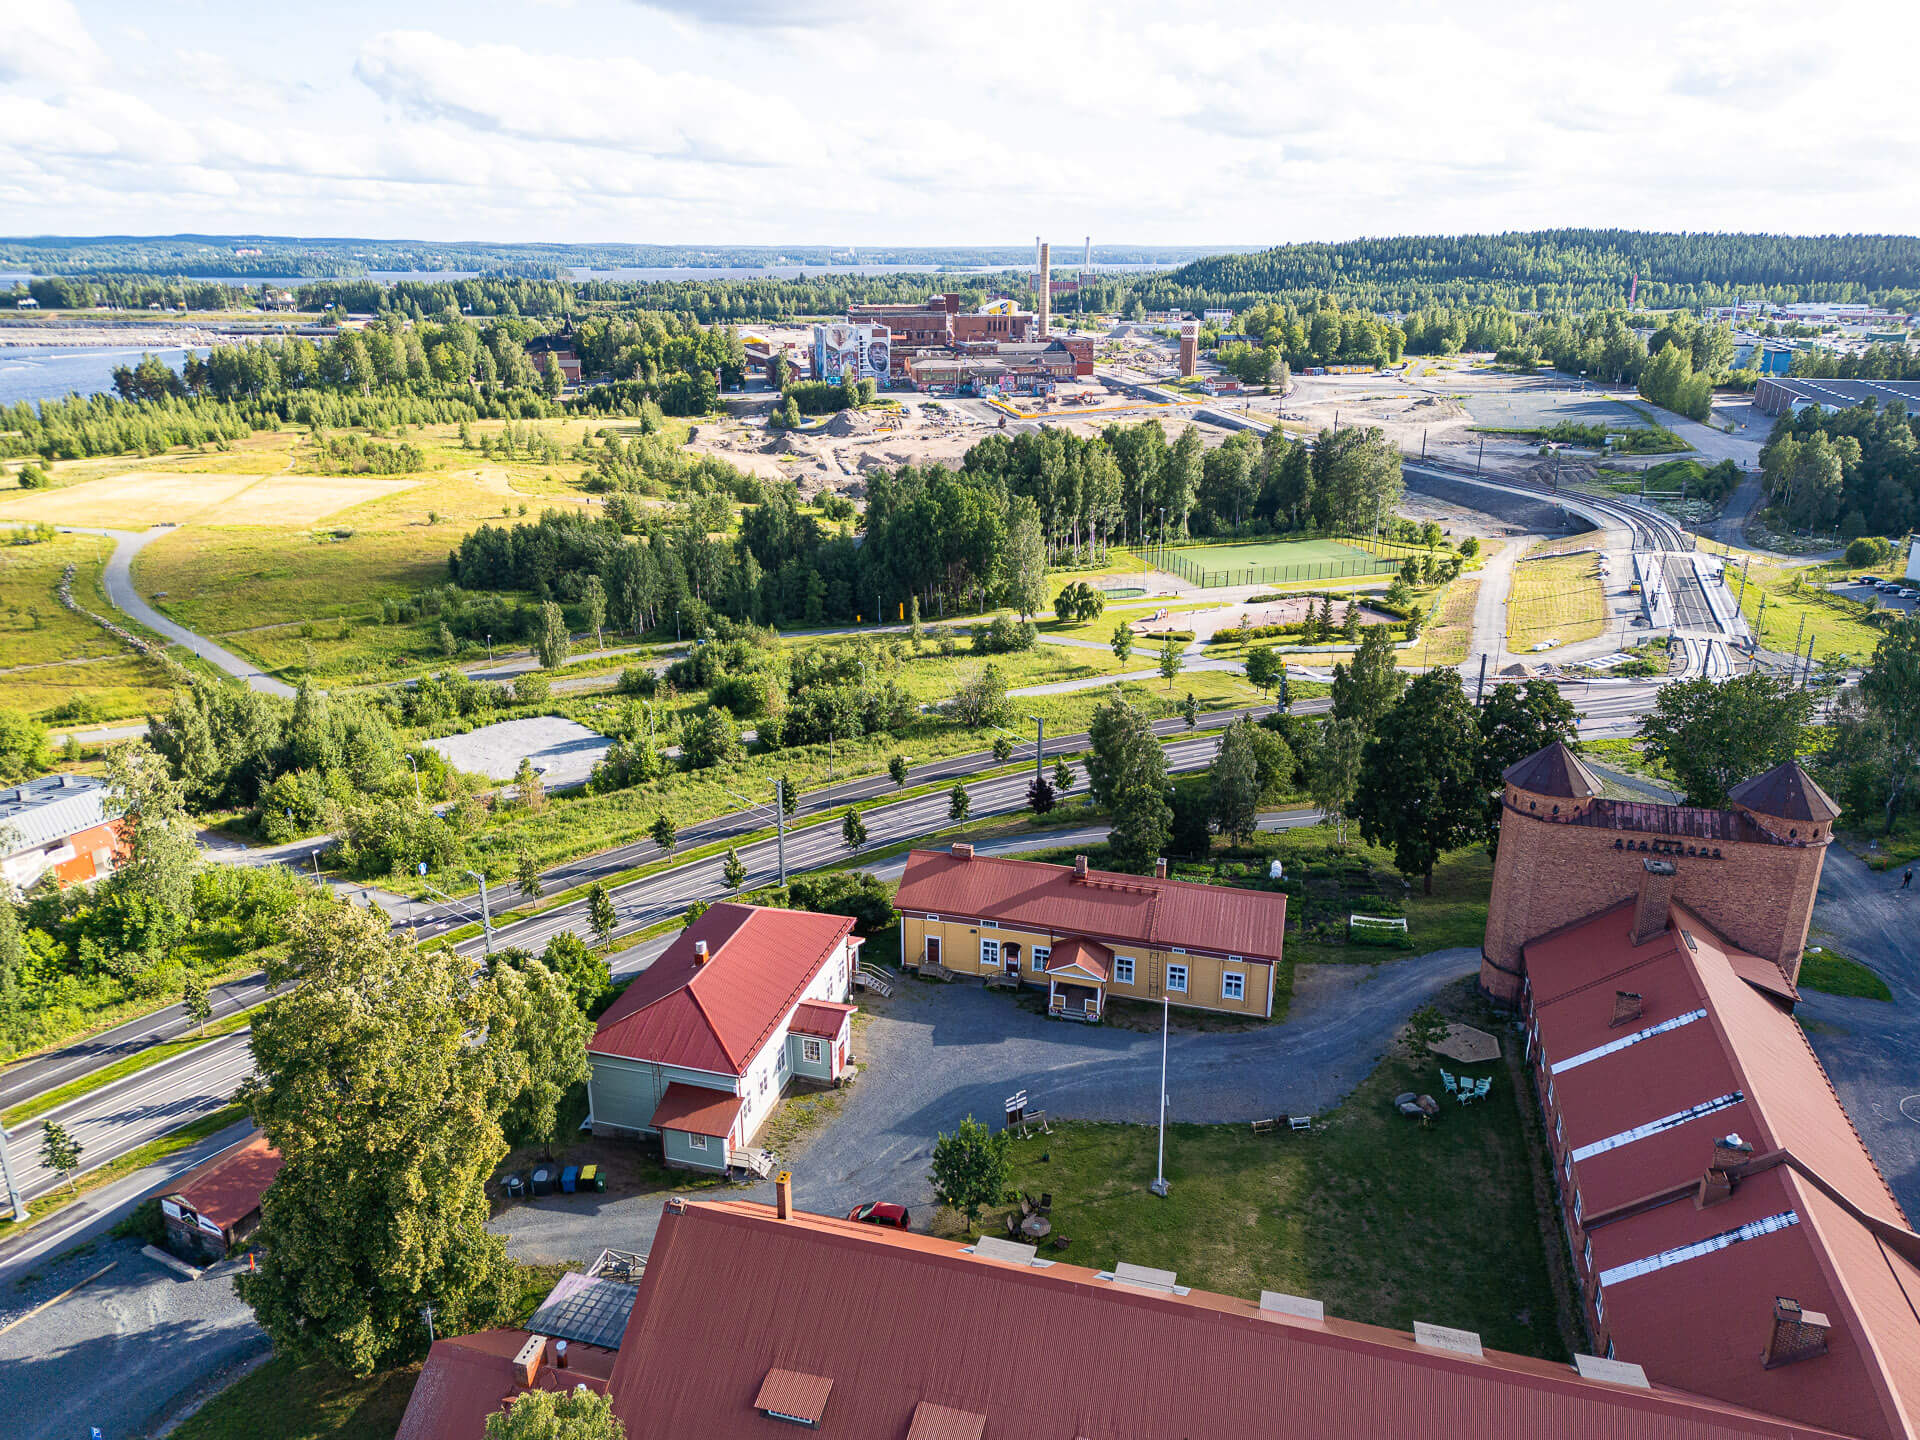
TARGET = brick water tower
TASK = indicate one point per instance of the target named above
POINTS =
(1189, 347)
(1046, 289)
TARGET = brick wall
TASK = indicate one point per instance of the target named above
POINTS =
(1549, 873)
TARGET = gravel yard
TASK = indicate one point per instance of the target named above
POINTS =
(563, 751)
(933, 1054)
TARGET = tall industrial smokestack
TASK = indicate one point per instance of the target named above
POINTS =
(1046, 290)
(1086, 265)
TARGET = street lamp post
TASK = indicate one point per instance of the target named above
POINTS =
(13, 1190)
(1039, 748)
(1160, 1186)
(486, 910)
(416, 777)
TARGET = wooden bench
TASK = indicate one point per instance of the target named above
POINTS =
(1299, 1122)
(1265, 1127)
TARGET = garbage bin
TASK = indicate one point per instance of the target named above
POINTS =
(543, 1181)
(569, 1179)
(592, 1179)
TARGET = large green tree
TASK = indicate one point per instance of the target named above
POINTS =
(1024, 575)
(1418, 791)
(1365, 687)
(1891, 689)
(151, 895)
(537, 1015)
(1514, 722)
(1127, 777)
(1333, 770)
(1712, 734)
(381, 1077)
(1233, 784)
(578, 1414)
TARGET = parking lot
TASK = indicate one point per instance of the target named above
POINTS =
(1887, 600)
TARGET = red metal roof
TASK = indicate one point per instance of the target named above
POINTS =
(820, 1017)
(731, 1292)
(227, 1188)
(717, 1016)
(469, 1377)
(788, 1392)
(697, 1111)
(1688, 1290)
(943, 1422)
(1137, 909)
(1076, 953)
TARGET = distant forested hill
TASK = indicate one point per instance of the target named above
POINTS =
(1550, 269)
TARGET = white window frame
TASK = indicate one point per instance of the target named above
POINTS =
(810, 1050)
(763, 1080)
(1123, 969)
(1587, 1252)
(696, 1142)
(1233, 985)
(1600, 1313)
(1041, 954)
(1181, 988)
(1576, 1205)
(1560, 1133)
(1236, 959)
(989, 924)
(989, 948)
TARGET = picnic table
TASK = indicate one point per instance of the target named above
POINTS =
(1036, 1227)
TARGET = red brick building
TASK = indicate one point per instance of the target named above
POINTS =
(1567, 853)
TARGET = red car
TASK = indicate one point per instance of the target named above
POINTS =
(880, 1212)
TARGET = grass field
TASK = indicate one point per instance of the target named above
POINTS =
(1449, 630)
(1836, 974)
(1384, 1221)
(49, 655)
(1271, 552)
(1776, 608)
(1557, 598)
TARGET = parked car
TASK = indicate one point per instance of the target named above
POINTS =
(880, 1212)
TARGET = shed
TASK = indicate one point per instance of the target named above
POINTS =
(216, 1205)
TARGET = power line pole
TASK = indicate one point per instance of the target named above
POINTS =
(780, 824)
(1159, 1186)
(13, 1190)
(486, 910)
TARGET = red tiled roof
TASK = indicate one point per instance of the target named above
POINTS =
(1554, 770)
(227, 1188)
(1786, 792)
(697, 1111)
(469, 1377)
(820, 1017)
(716, 1016)
(1710, 1055)
(1136, 909)
(731, 1292)
(1088, 955)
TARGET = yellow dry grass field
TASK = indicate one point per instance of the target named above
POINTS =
(136, 500)
(1558, 598)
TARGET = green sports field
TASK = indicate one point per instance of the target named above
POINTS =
(1272, 562)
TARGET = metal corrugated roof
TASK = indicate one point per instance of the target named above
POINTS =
(716, 1016)
(1138, 909)
(696, 1111)
(227, 1188)
(1689, 1290)
(51, 808)
(731, 1291)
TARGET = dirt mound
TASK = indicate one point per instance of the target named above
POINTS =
(848, 422)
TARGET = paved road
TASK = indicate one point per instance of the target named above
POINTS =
(119, 587)
(1872, 1049)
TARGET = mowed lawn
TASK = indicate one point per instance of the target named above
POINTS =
(1558, 598)
(1271, 552)
(1382, 1220)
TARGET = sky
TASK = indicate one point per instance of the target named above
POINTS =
(920, 122)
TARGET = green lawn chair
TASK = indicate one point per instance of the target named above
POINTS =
(1448, 1081)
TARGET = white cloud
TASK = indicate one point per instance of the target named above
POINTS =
(836, 121)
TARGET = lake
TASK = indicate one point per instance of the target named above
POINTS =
(48, 372)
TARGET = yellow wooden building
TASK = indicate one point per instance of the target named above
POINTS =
(1090, 935)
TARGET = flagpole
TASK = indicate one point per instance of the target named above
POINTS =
(1159, 1186)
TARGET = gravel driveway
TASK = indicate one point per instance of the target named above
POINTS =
(933, 1054)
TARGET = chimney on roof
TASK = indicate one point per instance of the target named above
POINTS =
(559, 1354)
(1797, 1334)
(1656, 900)
(1079, 867)
(1160, 868)
(1626, 1007)
(526, 1364)
(783, 1195)
(1730, 1153)
(700, 952)
(962, 850)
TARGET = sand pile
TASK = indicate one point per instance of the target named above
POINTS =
(849, 422)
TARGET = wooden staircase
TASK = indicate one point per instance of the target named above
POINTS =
(868, 978)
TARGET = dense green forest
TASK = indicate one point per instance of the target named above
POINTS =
(1541, 270)
(1857, 470)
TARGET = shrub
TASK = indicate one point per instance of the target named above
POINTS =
(1005, 635)
(1868, 550)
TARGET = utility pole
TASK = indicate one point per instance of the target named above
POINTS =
(1423, 444)
(780, 825)
(13, 1190)
(1480, 461)
(1039, 748)
(486, 910)
(1159, 1186)
(1480, 689)
(426, 1314)
(1801, 635)
(416, 778)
